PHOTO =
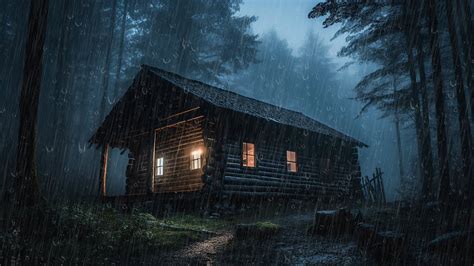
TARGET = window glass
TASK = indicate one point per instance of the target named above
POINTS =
(159, 166)
(248, 154)
(195, 160)
(291, 161)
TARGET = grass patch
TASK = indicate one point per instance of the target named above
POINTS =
(96, 234)
(193, 222)
(267, 226)
(258, 230)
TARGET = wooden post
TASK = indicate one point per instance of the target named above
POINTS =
(151, 179)
(103, 170)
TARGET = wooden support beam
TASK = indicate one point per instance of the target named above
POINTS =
(151, 178)
(103, 171)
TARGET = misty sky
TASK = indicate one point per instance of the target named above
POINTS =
(289, 18)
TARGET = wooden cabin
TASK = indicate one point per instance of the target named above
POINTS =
(185, 137)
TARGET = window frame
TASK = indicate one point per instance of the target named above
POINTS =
(245, 154)
(159, 166)
(289, 162)
(195, 163)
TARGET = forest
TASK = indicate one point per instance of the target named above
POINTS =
(395, 75)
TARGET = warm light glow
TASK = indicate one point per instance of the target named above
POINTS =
(291, 161)
(196, 159)
(248, 154)
(196, 152)
(159, 166)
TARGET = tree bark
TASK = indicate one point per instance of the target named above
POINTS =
(443, 163)
(106, 77)
(463, 116)
(415, 94)
(26, 183)
(121, 46)
(468, 50)
(427, 161)
(399, 143)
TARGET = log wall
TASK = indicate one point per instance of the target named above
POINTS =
(327, 167)
(175, 144)
(271, 178)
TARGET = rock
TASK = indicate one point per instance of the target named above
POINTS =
(332, 222)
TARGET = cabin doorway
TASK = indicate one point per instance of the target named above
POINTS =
(116, 167)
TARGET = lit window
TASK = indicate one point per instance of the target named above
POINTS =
(248, 154)
(159, 166)
(291, 161)
(196, 159)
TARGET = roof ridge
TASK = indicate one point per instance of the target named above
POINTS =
(219, 88)
(180, 81)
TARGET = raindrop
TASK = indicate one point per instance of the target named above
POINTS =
(82, 148)
(110, 101)
(49, 149)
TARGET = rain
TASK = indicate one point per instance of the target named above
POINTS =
(236, 132)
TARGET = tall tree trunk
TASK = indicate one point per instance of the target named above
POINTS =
(399, 142)
(443, 162)
(106, 77)
(469, 51)
(425, 113)
(26, 183)
(463, 116)
(415, 94)
(121, 46)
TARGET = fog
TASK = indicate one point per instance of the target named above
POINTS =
(70, 100)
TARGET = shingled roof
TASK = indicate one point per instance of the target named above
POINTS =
(239, 103)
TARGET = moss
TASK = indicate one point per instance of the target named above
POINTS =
(267, 226)
(194, 222)
(257, 230)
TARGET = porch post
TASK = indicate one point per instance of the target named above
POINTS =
(151, 177)
(103, 170)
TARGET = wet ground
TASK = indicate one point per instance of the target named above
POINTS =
(291, 246)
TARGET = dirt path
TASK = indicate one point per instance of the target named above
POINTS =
(298, 248)
(207, 249)
(292, 246)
